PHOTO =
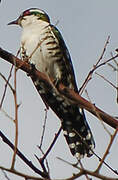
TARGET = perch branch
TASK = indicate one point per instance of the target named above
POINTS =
(71, 94)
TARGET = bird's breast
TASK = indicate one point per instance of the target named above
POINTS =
(42, 49)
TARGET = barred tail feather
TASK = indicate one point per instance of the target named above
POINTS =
(78, 134)
(75, 127)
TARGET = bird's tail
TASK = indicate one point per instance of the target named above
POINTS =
(75, 127)
(77, 133)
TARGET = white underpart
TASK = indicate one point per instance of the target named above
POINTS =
(34, 41)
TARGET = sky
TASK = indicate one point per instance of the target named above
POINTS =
(85, 26)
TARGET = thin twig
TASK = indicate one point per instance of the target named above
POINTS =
(6, 87)
(5, 174)
(82, 167)
(7, 115)
(16, 121)
(94, 108)
(84, 142)
(24, 159)
(107, 150)
(89, 76)
(52, 144)
(106, 80)
(20, 174)
(104, 49)
(44, 126)
(7, 82)
(85, 171)
(43, 165)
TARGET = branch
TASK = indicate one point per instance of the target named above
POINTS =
(27, 177)
(71, 94)
(50, 147)
(85, 171)
(29, 163)
(107, 152)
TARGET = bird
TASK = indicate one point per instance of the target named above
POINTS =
(43, 46)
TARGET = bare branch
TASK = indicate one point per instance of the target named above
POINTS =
(44, 126)
(5, 174)
(107, 150)
(89, 76)
(104, 49)
(50, 147)
(29, 163)
(16, 121)
(106, 80)
(7, 82)
(21, 174)
(85, 171)
(7, 115)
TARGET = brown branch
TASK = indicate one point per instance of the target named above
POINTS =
(29, 163)
(89, 76)
(16, 120)
(7, 82)
(83, 103)
(98, 114)
(27, 177)
(103, 51)
(44, 126)
(85, 171)
(50, 147)
(106, 80)
(107, 150)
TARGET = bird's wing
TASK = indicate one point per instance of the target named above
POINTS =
(66, 56)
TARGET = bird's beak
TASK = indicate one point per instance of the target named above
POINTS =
(13, 22)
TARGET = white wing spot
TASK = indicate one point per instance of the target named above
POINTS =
(81, 111)
(92, 146)
(65, 133)
(71, 134)
(59, 98)
(90, 152)
(72, 145)
(88, 137)
(79, 156)
(42, 91)
(77, 143)
(36, 83)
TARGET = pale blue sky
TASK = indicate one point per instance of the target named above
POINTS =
(85, 26)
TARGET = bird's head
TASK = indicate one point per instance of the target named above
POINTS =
(30, 16)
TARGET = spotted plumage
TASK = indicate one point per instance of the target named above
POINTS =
(42, 45)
